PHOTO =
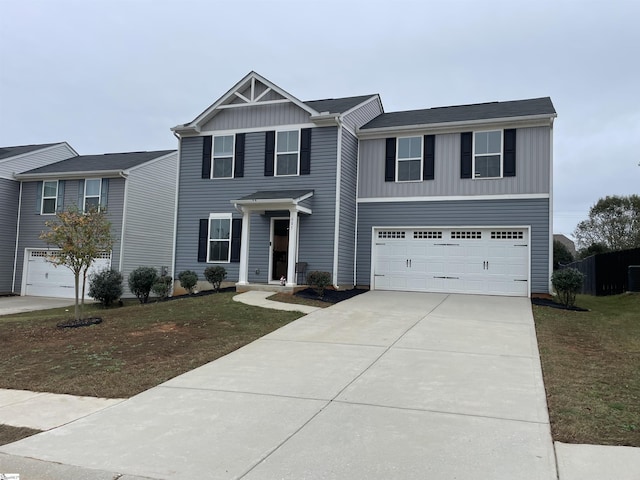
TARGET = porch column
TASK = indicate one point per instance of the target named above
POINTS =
(243, 275)
(293, 247)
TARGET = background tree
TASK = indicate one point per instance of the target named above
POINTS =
(614, 221)
(592, 249)
(81, 238)
(561, 254)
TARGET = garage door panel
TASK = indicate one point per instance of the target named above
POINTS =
(455, 260)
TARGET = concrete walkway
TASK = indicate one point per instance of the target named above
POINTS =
(385, 385)
(259, 299)
(15, 304)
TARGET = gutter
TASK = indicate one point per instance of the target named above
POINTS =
(70, 175)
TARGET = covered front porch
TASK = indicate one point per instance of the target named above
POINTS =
(283, 210)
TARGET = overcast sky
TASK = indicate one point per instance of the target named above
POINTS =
(113, 76)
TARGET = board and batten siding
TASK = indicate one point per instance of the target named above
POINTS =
(147, 233)
(32, 223)
(9, 195)
(34, 159)
(198, 197)
(533, 163)
(257, 116)
(475, 213)
(362, 115)
(347, 223)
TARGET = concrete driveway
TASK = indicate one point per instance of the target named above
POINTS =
(385, 385)
(9, 305)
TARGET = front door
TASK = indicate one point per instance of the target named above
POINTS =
(279, 248)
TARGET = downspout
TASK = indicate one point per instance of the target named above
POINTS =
(124, 219)
(15, 255)
(336, 229)
(550, 208)
(175, 211)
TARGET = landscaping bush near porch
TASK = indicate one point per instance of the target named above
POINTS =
(591, 367)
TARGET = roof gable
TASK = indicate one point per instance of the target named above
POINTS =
(10, 152)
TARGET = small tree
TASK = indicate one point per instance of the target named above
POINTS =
(140, 282)
(106, 286)
(215, 276)
(162, 285)
(188, 280)
(319, 281)
(561, 254)
(567, 283)
(81, 238)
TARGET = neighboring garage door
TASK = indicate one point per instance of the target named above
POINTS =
(44, 279)
(492, 261)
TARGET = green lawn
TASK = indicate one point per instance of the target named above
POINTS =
(591, 366)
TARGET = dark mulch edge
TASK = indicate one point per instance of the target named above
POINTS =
(203, 293)
(83, 322)
(545, 302)
(330, 296)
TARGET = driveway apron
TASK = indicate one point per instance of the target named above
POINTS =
(385, 385)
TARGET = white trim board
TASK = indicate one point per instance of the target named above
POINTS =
(455, 198)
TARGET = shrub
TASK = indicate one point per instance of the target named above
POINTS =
(567, 283)
(162, 286)
(319, 281)
(105, 286)
(140, 282)
(188, 280)
(215, 276)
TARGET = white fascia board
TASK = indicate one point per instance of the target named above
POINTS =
(70, 175)
(457, 198)
(452, 127)
(326, 120)
(294, 126)
(185, 130)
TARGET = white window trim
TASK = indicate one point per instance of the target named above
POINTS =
(473, 162)
(233, 156)
(55, 197)
(276, 153)
(219, 216)
(84, 194)
(421, 158)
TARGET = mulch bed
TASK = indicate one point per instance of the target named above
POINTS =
(330, 296)
(545, 302)
(83, 322)
(203, 293)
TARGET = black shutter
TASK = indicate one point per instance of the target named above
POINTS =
(466, 154)
(236, 235)
(238, 170)
(429, 160)
(305, 151)
(509, 168)
(206, 156)
(203, 237)
(104, 194)
(39, 197)
(390, 161)
(60, 201)
(269, 150)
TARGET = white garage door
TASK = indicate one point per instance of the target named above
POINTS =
(492, 261)
(44, 279)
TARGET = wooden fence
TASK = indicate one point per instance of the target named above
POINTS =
(607, 273)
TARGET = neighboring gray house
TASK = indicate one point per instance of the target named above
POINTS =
(137, 190)
(15, 160)
(454, 199)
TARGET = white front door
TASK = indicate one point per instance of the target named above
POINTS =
(45, 279)
(456, 260)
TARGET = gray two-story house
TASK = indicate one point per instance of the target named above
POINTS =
(137, 190)
(454, 199)
(17, 159)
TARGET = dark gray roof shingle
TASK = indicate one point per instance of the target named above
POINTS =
(461, 113)
(337, 105)
(8, 152)
(94, 163)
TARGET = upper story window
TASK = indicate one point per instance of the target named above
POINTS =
(409, 159)
(287, 152)
(49, 197)
(222, 162)
(219, 239)
(487, 154)
(92, 192)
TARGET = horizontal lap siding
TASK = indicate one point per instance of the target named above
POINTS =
(534, 213)
(347, 210)
(258, 116)
(147, 238)
(9, 193)
(32, 224)
(198, 197)
(362, 115)
(532, 169)
(34, 160)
